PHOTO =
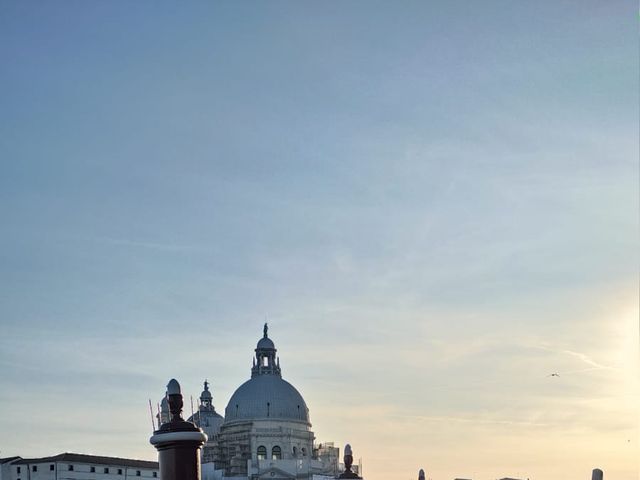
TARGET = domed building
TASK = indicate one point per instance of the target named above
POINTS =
(266, 432)
(209, 421)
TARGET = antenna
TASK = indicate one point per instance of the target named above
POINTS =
(191, 405)
(153, 423)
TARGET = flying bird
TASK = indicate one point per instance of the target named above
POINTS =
(553, 375)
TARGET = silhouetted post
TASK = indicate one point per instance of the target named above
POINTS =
(596, 474)
(348, 461)
(178, 442)
(421, 474)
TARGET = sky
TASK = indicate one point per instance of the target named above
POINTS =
(433, 204)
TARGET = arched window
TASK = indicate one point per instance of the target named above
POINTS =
(295, 452)
(276, 453)
(304, 452)
(262, 453)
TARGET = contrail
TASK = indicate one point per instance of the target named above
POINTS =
(593, 365)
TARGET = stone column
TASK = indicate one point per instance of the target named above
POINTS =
(178, 442)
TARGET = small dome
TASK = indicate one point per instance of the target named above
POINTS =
(265, 343)
(266, 396)
(206, 394)
(208, 420)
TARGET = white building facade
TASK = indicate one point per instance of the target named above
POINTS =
(75, 466)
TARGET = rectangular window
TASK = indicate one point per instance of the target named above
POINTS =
(137, 473)
(106, 470)
(70, 468)
(92, 469)
(155, 474)
(17, 469)
(34, 468)
(52, 467)
(119, 471)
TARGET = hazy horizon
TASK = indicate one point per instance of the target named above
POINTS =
(433, 204)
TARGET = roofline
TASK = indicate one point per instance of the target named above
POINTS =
(97, 459)
(266, 419)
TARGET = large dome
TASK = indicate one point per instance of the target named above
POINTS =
(266, 397)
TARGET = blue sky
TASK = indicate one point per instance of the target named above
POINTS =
(434, 204)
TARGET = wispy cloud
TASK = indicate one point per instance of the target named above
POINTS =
(149, 245)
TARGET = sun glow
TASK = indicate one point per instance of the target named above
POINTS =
(625, 354)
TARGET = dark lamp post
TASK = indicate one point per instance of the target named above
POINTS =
(178, 442)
